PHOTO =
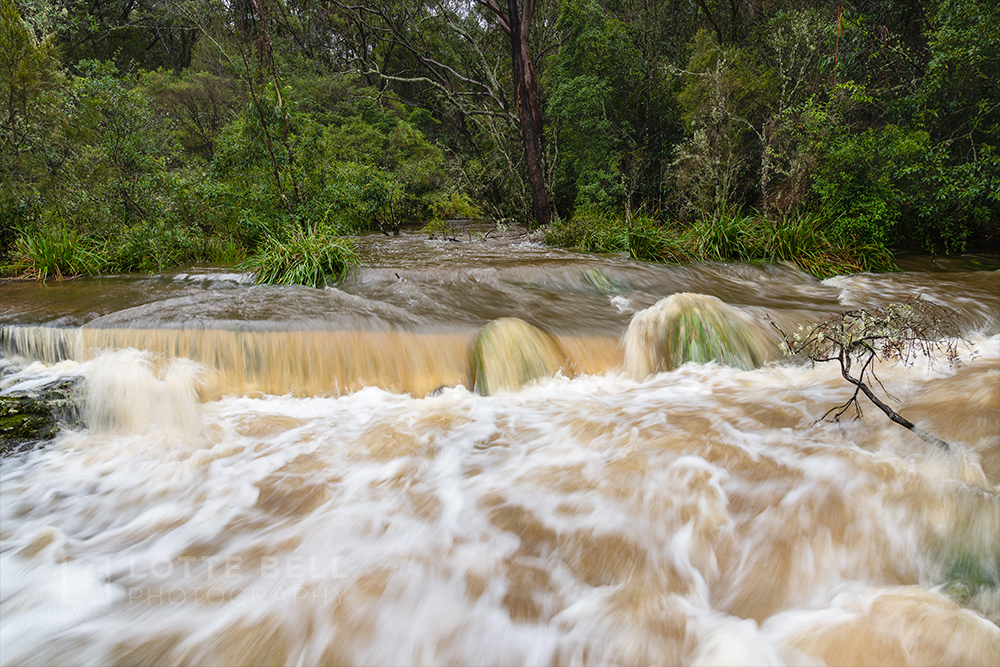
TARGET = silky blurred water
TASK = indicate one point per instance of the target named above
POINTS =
(301, 477)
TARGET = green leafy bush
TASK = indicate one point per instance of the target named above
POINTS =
(859, 179)
(609, 108)
(453, 206)
(894, 185)
(154, 246)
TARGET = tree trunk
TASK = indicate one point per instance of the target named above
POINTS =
(528, 108)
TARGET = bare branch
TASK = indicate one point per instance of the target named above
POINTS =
(499, 13)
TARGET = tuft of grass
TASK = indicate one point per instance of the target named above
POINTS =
(311, 258)
(801, 240)
(649, 240)
(53, 253)
(727, 236)
(224, 250)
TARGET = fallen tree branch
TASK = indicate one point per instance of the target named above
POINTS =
(857, 338)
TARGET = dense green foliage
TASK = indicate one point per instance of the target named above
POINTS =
(144, 134)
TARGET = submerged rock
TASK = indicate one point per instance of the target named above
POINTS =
(508, 353)
(31, 417)
(602, 281)
(692, 327)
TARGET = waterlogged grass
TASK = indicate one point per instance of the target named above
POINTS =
(800, 240)
(602, 282)
(53, 253)
(314, 259)
(685, 327)
(702, 331)
(508, 353)
(56, 253)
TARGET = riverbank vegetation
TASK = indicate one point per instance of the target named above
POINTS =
(144, 134)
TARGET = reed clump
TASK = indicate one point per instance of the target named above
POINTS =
(53, 253)
(312, 258)
(802, 240)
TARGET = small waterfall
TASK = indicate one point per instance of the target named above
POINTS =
(49, 345)
(320, 362)
(693, 327)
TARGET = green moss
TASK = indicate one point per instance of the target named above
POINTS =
(29, 418)
(969, 575)
(23, 420)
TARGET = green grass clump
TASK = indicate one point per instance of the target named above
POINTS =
(53, 253)
(802, 240)
(311, 258)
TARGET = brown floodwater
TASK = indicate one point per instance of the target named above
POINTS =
(293, 476)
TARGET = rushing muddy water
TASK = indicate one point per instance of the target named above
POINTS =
(275, 475)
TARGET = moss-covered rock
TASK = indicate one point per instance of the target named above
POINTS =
(31, 417)
(508, 353)
(970, 576)
(693, 327)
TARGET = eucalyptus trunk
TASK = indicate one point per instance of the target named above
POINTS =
(528, 107)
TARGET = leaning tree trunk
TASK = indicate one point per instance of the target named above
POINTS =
(528, 107)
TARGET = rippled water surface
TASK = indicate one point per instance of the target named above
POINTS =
(290, 476)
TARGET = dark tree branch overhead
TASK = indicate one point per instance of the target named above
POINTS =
(711, 19)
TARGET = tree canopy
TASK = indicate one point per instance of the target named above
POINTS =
(149, 132)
